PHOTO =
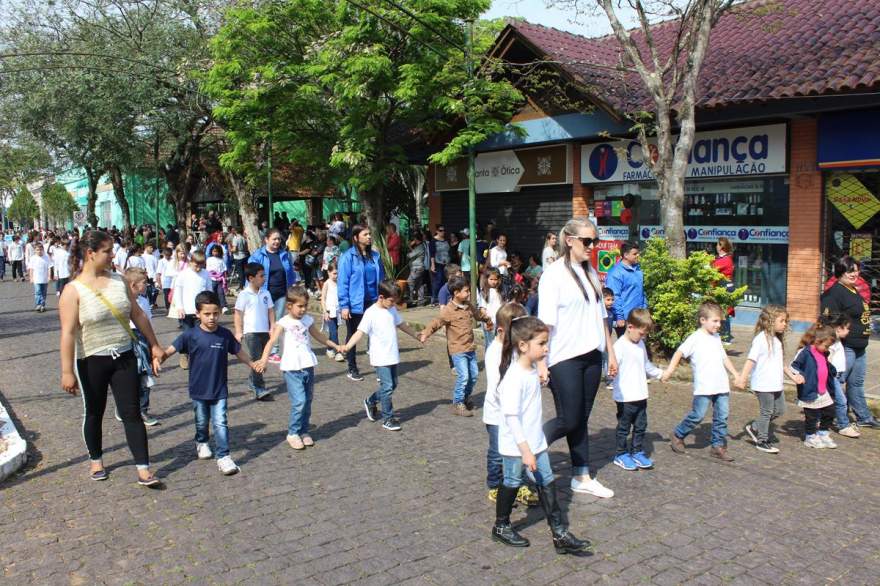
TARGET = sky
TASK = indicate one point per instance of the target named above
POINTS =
(536, 11)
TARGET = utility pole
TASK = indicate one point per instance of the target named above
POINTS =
(156, 161)
(471, 173)
(269, 178)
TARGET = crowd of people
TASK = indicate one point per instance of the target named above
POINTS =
(550, 321)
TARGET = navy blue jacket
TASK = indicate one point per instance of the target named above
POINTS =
(805, 364)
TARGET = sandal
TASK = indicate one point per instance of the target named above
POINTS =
(150, 481)
(99, 475)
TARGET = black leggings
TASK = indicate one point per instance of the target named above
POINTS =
(574, 383)
(818, 419)
(95, 373)
(17, 272)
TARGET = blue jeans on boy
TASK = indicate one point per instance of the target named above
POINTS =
(840, 404)
(300, 386)
(387, 376)
(280, 307)
(856, 366)
(513, 470)
(40, 294)
(494, 462)
(215, 411)
(466, 372)
(332, 329)
(720, 409)
(255, 343)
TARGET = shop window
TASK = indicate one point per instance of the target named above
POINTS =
(853, 220)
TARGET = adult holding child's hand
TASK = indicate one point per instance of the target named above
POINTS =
(95, 314)
(570, 304)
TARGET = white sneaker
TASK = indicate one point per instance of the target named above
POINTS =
(591, 486)
(340, 357)
(330, 354)
(814, 441)
(204, 451)
(827, 441)
(227, 466)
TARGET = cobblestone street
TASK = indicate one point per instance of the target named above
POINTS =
(376, 507)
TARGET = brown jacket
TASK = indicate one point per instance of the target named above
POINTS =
(459, 326)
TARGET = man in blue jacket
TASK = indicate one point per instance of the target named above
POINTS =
(360, 272)
(628, 283)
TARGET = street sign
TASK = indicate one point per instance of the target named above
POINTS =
(79, 218)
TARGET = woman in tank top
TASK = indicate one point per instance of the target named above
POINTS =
(96, 350)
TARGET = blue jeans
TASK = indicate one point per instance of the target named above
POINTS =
(840, 403)
(332, 329)
(40, 294)
(856, 366)
(300, 387)
(466, 372)
(280, 308)
(216, 412)
(255, 343)
(720, 409)
(513, 470)
(494, 466)
(387, 383)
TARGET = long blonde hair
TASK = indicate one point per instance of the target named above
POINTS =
(571, 229)
(766, 322)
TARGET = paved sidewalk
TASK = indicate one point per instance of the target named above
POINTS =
(375, 507)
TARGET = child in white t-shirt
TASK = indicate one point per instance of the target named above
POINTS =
(38, 271)
(521, 440)
(151, 263)
(766, 366)
(330, 308)
(297, 363)
(254, 318)
(711, 384)
(631, 390)
(492, 406)
(216, 267)
(489, 299)
(380, 323)
(837, 358)
(60, 262)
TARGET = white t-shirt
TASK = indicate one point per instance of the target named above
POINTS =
(706, 354)
(768, 371)
(254, 308)
(119, 258)
(578, 325)
(168, 269)
(150, 263)
(297, 353)
(492, 402)
(60, 260)
(15, 251)
(493, 305)
(633, 370)
(548, 255)
(216, 265)
(380, 325)
(837, 357)
(136, 262)
(144, 304)
(496, 255)
(187, 285)
(331, 298)
(520, 395)
(40, 269)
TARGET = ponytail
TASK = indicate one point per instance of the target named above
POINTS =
(522, 329)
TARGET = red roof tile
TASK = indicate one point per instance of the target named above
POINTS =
(803, 48)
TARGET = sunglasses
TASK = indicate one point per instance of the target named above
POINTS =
(586, 240)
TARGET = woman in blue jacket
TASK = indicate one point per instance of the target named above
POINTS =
(280, 274)
(360, 272)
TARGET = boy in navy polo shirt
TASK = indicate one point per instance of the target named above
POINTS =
(208, 346)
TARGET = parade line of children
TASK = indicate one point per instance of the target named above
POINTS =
(515, 343)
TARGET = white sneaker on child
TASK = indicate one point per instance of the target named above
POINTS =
(204, 451)
(827, 441)
(227, 466)
(814, 441)
(591, 486)
(330, 353)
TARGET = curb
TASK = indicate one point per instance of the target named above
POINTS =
(15, 454)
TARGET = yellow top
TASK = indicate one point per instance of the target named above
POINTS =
(294, 241)
(99, 331)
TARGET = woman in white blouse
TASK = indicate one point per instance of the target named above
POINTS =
(570, 303)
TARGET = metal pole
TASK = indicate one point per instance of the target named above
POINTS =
(472, 190)
(156, 159)
(269, 178)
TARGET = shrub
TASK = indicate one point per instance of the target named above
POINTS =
(676, 287)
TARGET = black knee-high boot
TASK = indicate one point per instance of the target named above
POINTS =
(563, 540)
(503, 531)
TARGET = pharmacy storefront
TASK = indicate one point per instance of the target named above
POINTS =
(737, 187)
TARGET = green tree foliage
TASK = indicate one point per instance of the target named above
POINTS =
(676, 287)
(58, 204)
(23, 208)
(342, 88)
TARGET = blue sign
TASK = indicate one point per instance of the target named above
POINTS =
(603, 162)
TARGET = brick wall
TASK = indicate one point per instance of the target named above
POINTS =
(581, 195)
(805, 223)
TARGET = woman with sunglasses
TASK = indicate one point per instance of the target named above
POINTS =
(843, 298)
(570, 303)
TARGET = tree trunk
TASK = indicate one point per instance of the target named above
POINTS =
(672, 206)
(247, 209)
(119, 191)
(92, 198)
(373, 203)
(183, 184)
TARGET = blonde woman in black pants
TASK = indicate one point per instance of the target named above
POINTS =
(570, 303)
(96, 350)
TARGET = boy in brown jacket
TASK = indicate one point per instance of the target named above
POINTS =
(458, 316)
